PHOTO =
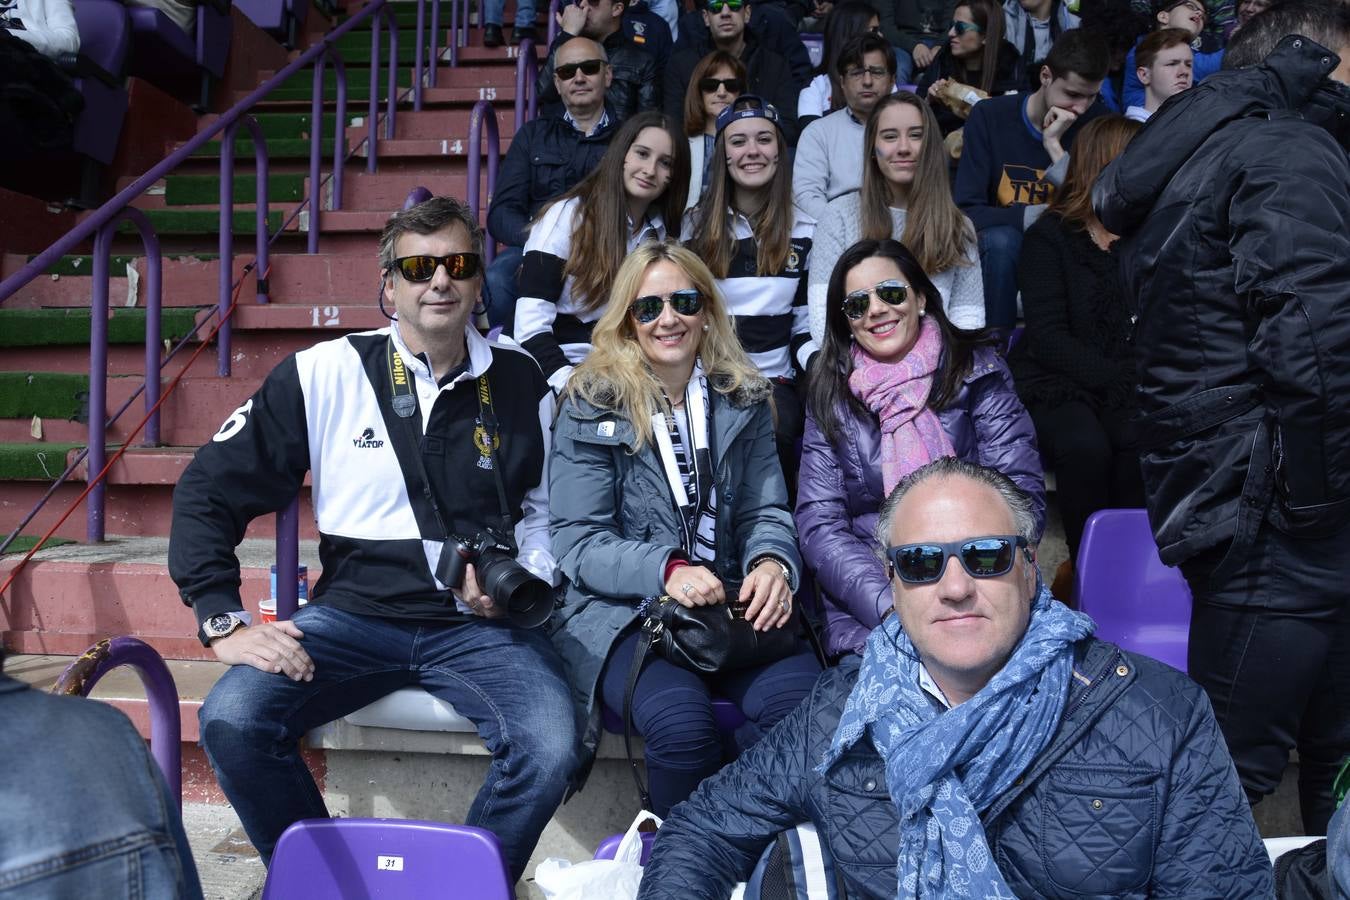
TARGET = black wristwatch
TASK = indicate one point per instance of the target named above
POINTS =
(221, 625)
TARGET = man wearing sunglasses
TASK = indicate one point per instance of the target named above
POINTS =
(985, 745)
(768, 73)
(634, 76)
(548, 155)
(423, 439)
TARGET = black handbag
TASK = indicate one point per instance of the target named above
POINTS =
(702, 639)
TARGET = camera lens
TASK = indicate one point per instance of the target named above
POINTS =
(528, 599)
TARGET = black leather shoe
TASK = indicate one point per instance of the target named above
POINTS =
(521, 33)
(492, 35)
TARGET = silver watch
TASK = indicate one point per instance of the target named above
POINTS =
(222, 625)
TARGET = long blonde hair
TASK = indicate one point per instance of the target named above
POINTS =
(615, 376)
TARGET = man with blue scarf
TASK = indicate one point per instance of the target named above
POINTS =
(985, 746)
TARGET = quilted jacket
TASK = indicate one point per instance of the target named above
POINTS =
(1135, 796)
(839, 492)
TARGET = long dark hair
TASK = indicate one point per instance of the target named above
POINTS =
(713, 238)
(989, 16)
(600, 228)
(827, 387)
(846, 21)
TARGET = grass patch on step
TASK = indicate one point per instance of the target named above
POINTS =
(51, 395)
(65, 327)
(202, 221)
(189, 190)
(24, 542)
(77, 264)
(282, 148)
(34, 461)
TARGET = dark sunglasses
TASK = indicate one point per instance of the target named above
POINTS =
(458, 266)
(686, 302)
(982, 557)
(710, 85)
(962, 27)
(568, 71)
(716, 6)
(892, 293)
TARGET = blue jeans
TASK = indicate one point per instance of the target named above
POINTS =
(672, 710)
(86, 812)
(508, 681)
(493, 9)
(1000, 246)
(500, 291)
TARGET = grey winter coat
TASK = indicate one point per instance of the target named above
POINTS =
(615, 525)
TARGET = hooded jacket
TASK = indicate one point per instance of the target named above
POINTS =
(1135, 796)
(839, 492)
(615, 523)
(635, 87)
(1234, 206)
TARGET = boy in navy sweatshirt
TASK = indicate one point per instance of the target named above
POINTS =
(1015, 153)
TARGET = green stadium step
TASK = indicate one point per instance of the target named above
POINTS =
(282, 125)
(406, 15)
(77, 264)
(33, 460)
(203, 221)
(50, 395)
(70, 327)
(286, 148)
(194, 190)
(24, 542)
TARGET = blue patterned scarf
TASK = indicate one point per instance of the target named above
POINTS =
(945, 767)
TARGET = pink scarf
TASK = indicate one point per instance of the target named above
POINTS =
(911, 433)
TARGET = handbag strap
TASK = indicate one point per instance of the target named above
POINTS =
(651, 629)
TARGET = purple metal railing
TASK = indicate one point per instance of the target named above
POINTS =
(553, 7)
(226, 237)
(482, 114)
(161, 694)
(339, 138)
(98, 353)
(527, 72)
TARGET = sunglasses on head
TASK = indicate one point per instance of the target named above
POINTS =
(686, 302)
(891, 292)
(716, 6)
(962, 27)
(982, 557)
(710, 85)
(568, 71)
(458, 266)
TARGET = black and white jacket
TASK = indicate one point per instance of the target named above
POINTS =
(769, 311)
(550, 322)
(327, 410)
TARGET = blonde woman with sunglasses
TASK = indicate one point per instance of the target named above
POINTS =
(664, 483)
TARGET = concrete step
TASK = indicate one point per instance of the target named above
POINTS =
(71, 596)
(131, 509)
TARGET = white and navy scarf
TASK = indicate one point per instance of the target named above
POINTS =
(690, 474)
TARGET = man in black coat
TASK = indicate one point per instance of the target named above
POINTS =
(635, 83)
(548, 155)
(724, 28)
(1234, 205)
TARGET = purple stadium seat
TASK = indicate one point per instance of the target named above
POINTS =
(393, 859)
(179, 64)
(282, 19)
(105, 41)
(610, 846)
(1136, 601)
(727, 715)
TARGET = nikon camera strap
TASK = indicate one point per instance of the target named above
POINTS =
(404, 402)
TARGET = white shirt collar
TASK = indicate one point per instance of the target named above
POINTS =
(930, 687)
(479, 356)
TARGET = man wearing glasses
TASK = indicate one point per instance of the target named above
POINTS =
(635, 78)
(548, 155)
(985, 745)
(829, 160)
(416, 437)
(768, 73)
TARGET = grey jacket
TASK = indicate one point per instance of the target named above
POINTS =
(615, 525)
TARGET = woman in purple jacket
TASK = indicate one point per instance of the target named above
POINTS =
(895, 386)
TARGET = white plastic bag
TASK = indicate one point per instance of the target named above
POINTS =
(598, 879)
